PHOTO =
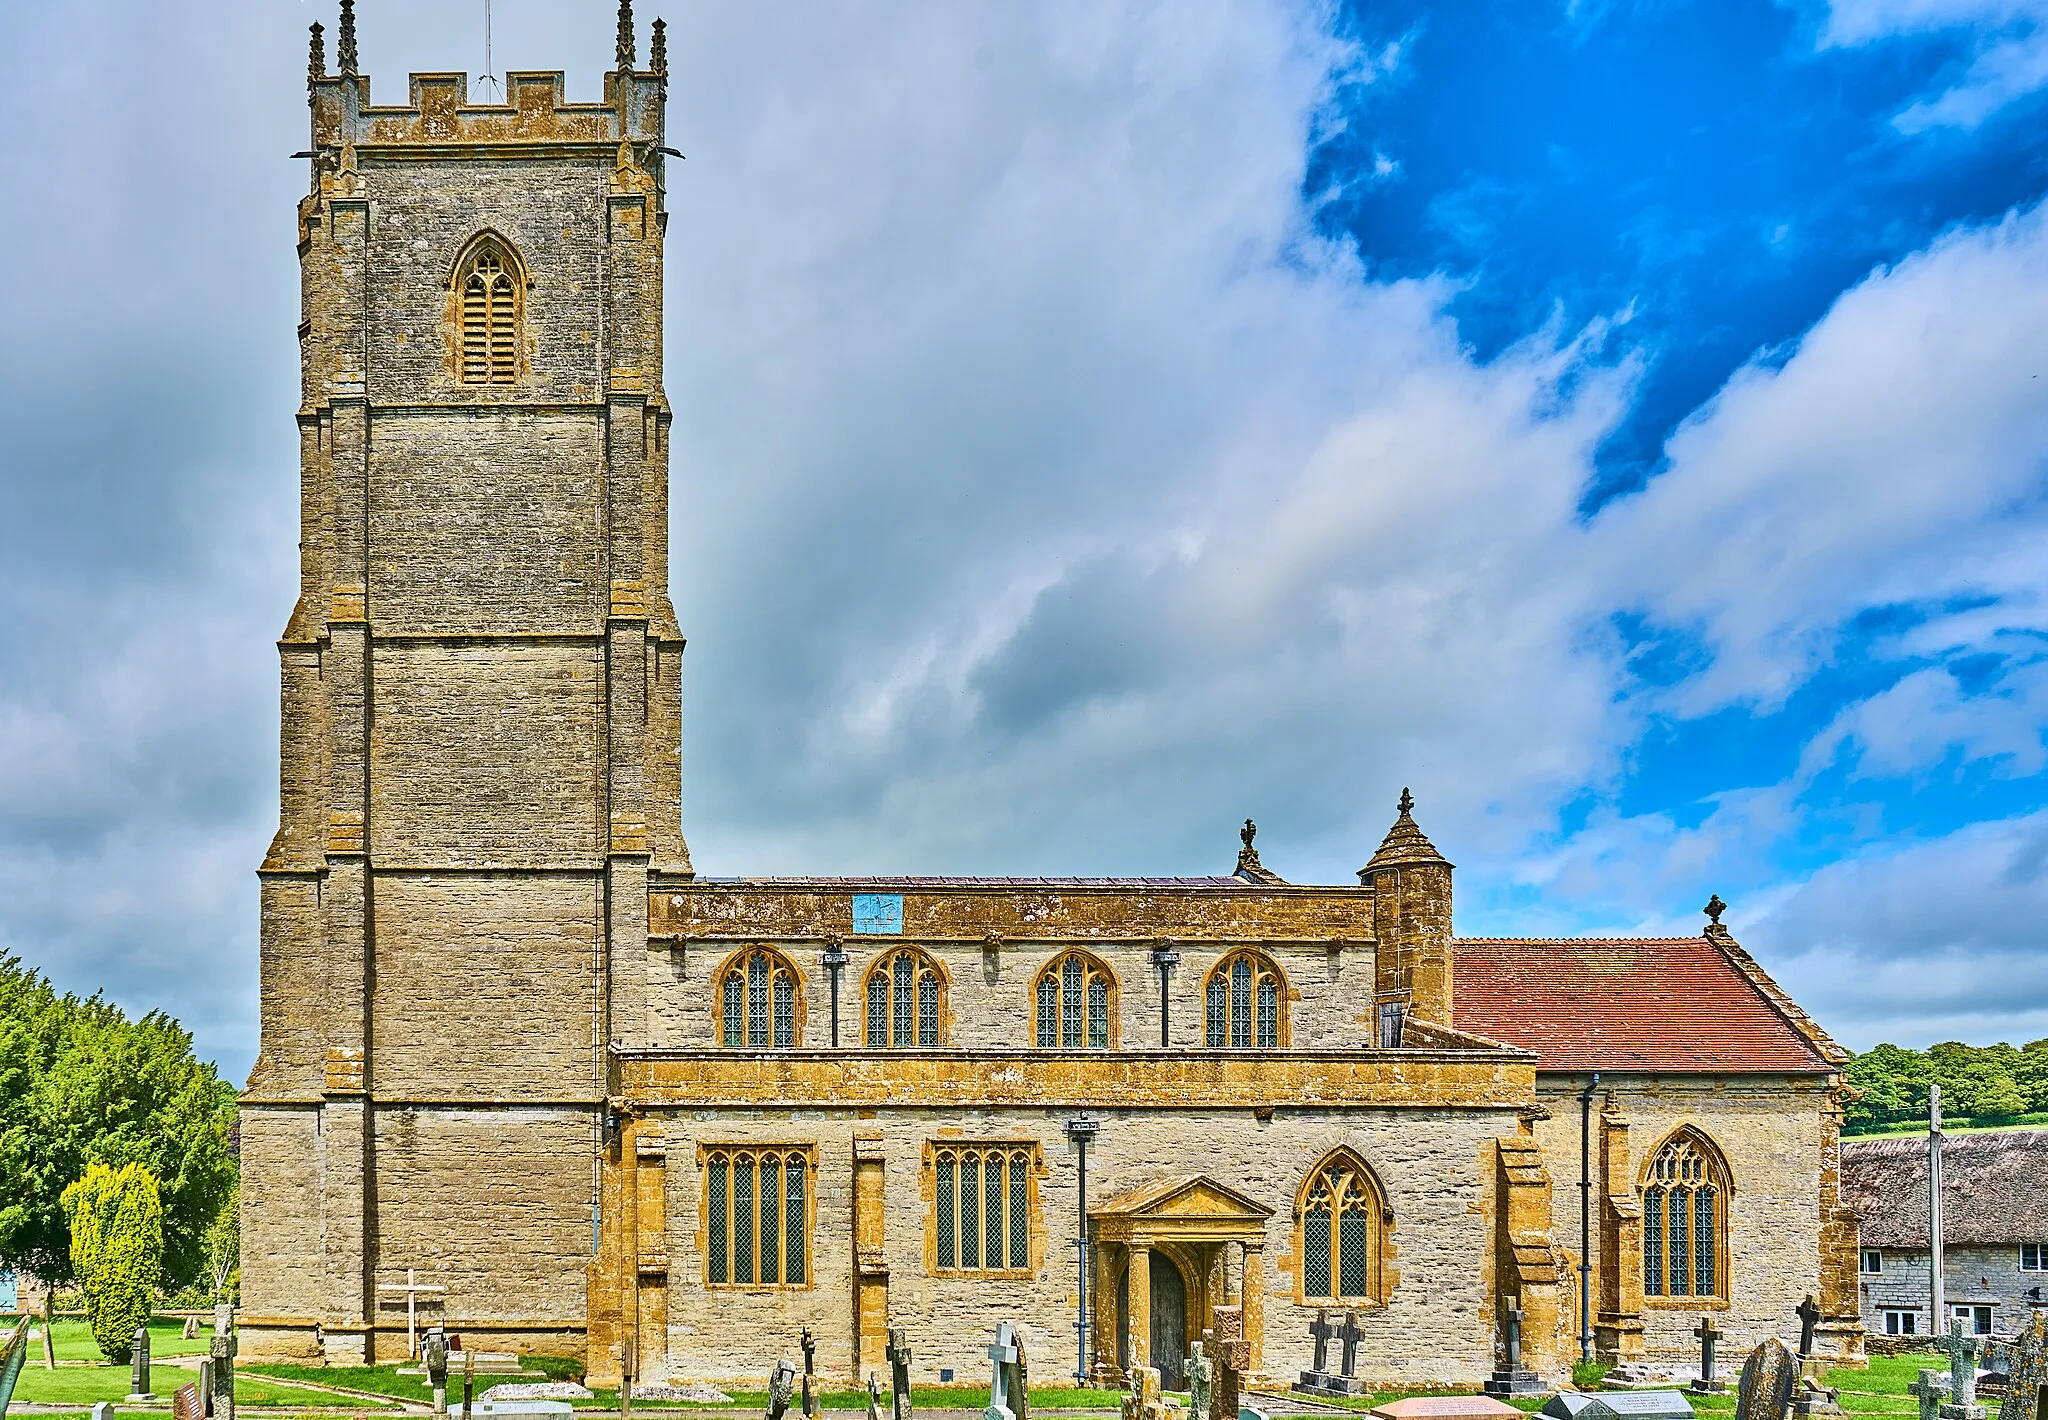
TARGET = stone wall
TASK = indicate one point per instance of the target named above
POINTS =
(1976, 1276)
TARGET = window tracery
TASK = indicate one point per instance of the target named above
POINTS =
(1076, 1004)
(1685, 1219)
(488, 299)
(1342, 1241)
(760, 1000)
(1245, 997)
(906, 1000)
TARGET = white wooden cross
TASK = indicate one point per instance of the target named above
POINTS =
(412, 1288)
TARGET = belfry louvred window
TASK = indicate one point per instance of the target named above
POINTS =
(757, 1217)
(758, 1000)
(905, 1000)
(1244, 998)
(1685, 1213)
(489, 312)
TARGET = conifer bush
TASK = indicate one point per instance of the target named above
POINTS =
(117, 1248)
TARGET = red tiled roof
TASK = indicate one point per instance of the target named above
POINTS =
(1673, 1004)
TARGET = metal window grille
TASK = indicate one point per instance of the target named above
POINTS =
(928, 1007)
(757, 999)
(1703, 1236)
(743, 1218)
(796, 1233)
(902, 989)
(970, 1211)
(1098, 1013)
(716, 1263)
(735, 1009)
(949, 1254)
(1219, 1011)
(1269, 1012)
(1354, 1253)
(1681, 1251)
(878, 1009)
(1682, 1222)
(1070, 1002)
(1241, 1003)
(992, 1208)
(771, 1220)
(785, 1011)
(1020, 1213)
(1653, 1242)
(1048, 1013)
(1315, 1228)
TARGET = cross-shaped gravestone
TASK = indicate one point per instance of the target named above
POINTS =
(1809, 1317)
(1322, 1331)
(223, 1351)
(1002, 1357)
(1511, 1333)
(811, 1396)
(781, 1382)
(898, 1355)
(138, 1381)
(1199, 1375)
(1350, 1336)
(874, 1397)
(1232, 1359)
(1962, 1348)
(1932, 1388)
(434, 1355)
(1710, 1336)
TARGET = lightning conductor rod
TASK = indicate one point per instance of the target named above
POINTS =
(1937, 1315)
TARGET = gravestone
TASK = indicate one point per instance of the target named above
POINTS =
(1200, 1374)
(1248, 1411)
(12, 1356)
(504, 1409)
(2026, 1368)
(811, 1397)
(186, 1404)
(103, 1410)
(469, 1379)
(1513, 1378)
(434, 1358)
(1932, 1389)
(222, 1351)
(1141, 1401)
(1710, 1337)
(1809, 1317)
(1812, 1398)
(191, 1331)
(1619, 1405)
(1963, 1349)
(1322, 1380)
(1350, 1335)
(874, 1397)
(1232, 1359)
(206, 1385)
(1322, 1331)
(1765, 1388)
(1444, 1407)
(781, 1385)
(138, 1378)
(1006, 1376)
(898, 1355)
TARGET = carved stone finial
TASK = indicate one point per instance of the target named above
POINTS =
(1407, 800)
(316, 60)
(657, 49)
(626, 46)
(1714, 908)
(346, 48)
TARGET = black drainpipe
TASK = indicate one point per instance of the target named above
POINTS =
(1586, 1218)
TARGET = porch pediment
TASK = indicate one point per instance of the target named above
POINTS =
(1185, 1205)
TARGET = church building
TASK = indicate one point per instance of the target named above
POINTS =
(515, 1049)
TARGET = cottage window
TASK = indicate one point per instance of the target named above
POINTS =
(2034, 1257)
(906, 1002)
(1244, 995)
(983, 1199)
(1873, 1262)
(1341, 1232)
(759, 1000)
(487, 310)
(757, 1216)
(1899, 1321)
(1976, 1318)
(1685, 1219)
(1076, 1004)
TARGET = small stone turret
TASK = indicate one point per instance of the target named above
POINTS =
(1411, 885)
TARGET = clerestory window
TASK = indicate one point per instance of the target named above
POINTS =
(906, 1002)
(1244, 998)
(1076, 1004)
(760, 1001)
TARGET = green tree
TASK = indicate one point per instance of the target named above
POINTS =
(117, 1248)
(81, 1083)
(2000, 1098)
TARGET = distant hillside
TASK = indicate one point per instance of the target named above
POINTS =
(1981, 1085)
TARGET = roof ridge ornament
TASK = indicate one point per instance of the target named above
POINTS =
(1405, 842)
(346, 52)
(1714, 908)
(1248, 865)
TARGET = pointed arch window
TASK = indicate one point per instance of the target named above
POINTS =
(1685, 1220)
(1076, 1004)
(906, 1000)
(1342, 1227)
(760, 1001)
(1245, 996)
(487, 289)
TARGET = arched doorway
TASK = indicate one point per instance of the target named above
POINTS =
(1169, 1340)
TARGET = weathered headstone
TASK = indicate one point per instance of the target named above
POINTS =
(13, 1355)
(781, 1385)
(811, 1397)
(1812, 1398)
(2024, 1362)
(898, 1355)
(206, 1385)
(1710, 1338)
(874, 1397)
(1963, 1348)
(222, 1351)
(1141, 1401)
(138, 1355)
(1200, 1374)
(1444, 1407)
(1766, 1385)
(1619, 1405)
(1322, 1331)
(434, 1357)
(191, 1331)
(1005, 1358)
(103, 1410)
(1809, 1317)
(1512, 1377)
(1932, 1389)
(186, 1404)
(1251, 1412)
(1350, 1335)
(1232, 1360)
(469, 1379)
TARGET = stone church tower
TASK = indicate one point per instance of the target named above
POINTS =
(481, 705)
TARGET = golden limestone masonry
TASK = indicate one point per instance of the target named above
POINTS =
(514, 1048)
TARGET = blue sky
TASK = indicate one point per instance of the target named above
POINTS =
(1102, 420)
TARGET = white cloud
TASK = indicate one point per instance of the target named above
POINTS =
(2011, 59)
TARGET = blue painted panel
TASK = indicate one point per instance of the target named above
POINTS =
(878, 914)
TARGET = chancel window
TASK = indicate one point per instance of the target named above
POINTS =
(1343, 1217)
(904, 999)
(1244, 994)
(488, 311)
(1685, 1213)
(1076, 1004)
(982, 1197)
(758, 1000)
(757, 1218)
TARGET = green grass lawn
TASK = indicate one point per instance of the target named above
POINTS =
(83, 1385)
(74, 1341)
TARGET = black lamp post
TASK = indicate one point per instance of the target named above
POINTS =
(1164, 959)
(1081, 1128)
(833, 959)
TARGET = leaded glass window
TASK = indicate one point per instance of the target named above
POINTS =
(1683, 1218)
(758, 997)
(1076, 1004)
(757, 1218)
(1244, 996)
(982, 1197)
(1341, 1223)
(903, 1000)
